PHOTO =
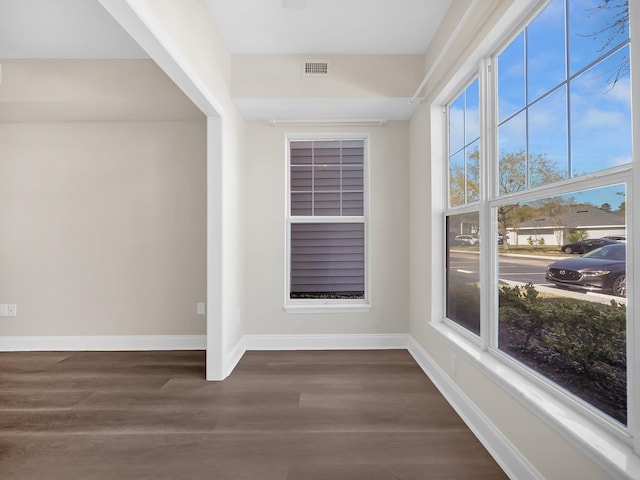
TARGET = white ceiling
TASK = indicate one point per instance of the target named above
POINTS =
(328, 26)
(62, 29)
(84, 29)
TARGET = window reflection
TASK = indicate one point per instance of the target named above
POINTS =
(464, 146)
(601, 117)
(562, 305)
(594, 30)
(577, 108)
(463, 270)
(546, 51)
(511, 79)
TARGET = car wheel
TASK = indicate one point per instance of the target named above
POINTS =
(620, 286)
(568, 250)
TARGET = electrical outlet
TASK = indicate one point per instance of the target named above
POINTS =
(200, 308)
(8, 310)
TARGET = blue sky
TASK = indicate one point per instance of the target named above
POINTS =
(599, 120)
(594, 133)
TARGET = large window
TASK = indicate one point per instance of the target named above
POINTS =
(326, 222)
(542, 216)
(463, 225)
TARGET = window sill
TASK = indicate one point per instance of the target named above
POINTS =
(610, 452)
(318, 307)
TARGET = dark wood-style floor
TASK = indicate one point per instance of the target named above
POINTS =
(339, 415)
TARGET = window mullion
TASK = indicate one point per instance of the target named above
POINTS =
(487, 189)
(633, 216)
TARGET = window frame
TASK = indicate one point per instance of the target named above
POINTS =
(313, 305)
(611, 445)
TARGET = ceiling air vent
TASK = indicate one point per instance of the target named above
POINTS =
(315, 69)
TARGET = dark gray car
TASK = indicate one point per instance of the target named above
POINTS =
(584, 246)
(603, 269)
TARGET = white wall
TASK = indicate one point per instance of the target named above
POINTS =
(103, 227)
(102, 201)
(388, 235)
(350, 76)
(182, 38)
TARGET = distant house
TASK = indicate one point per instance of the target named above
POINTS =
(552, 229)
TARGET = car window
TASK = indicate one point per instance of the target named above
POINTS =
(619, 253)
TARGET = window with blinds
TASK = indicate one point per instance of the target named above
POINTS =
(327, 219)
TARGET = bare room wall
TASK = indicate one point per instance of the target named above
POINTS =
(103, 227)
(388, 234)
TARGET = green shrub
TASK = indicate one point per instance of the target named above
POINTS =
(523, 308)
(590, 335)
(586, 335)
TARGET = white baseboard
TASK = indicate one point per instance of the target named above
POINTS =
(234, 357)
(326, 342)
(103, 343)
(515, 465)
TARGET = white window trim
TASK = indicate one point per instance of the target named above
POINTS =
(615, 449)
(323, 306)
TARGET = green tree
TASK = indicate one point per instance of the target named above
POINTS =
(606, 207)
(575, 235)
(464, 180)
(517, 172)
(617, 24)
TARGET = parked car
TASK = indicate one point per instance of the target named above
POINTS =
(467, 240)
(602, 269)
(584, 246)
(619, 238)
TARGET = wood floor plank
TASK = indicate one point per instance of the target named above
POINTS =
(353, 415)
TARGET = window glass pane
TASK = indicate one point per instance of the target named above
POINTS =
(352, 152)
(327, 260)
(301, 204)
(353, 204)
(457, 180)
(301, 179)
(595, 27)
(326, 204)
(463, 270)
(512, 147)
(301, 153)
(601, 117)
(353, 178)
(565, 316)
(546, 67)
(456, 125)
(322, 172)
(326, 177)
(464, 133)
(511, 79)
(473, 172)
(472, 112)
(548, 139)
(326, 152)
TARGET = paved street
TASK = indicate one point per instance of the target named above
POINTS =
(518, 269)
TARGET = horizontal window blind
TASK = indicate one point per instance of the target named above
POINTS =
(327, 179)
(327, 260)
